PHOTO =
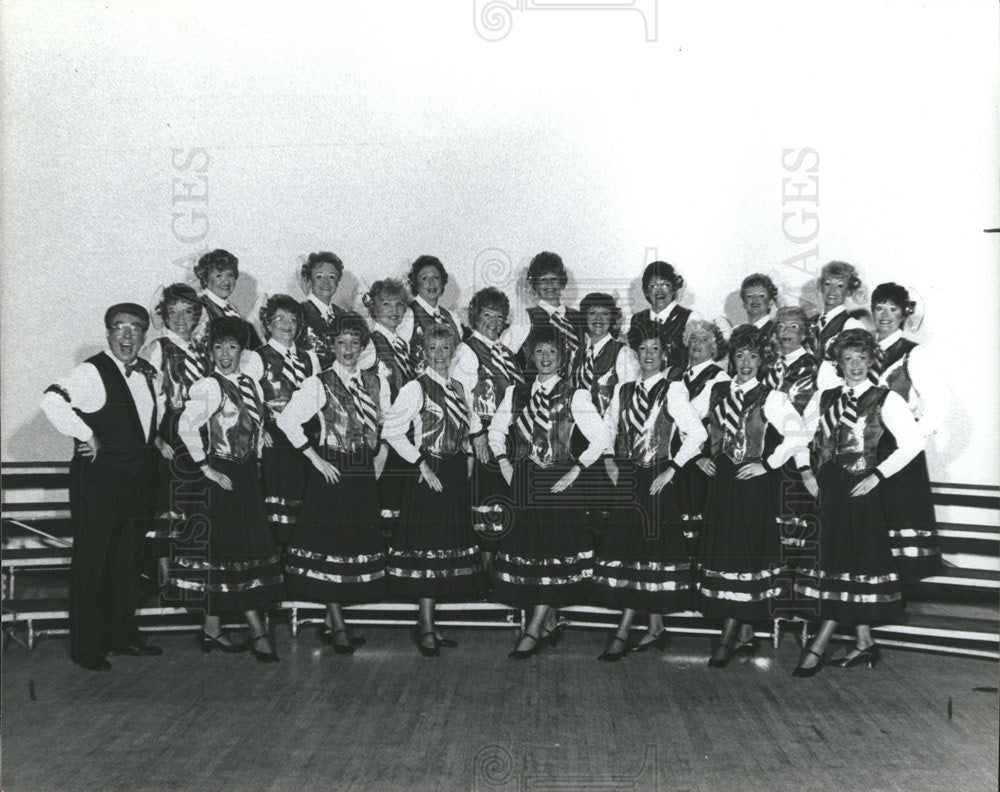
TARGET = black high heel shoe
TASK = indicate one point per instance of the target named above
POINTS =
(524, 654)
(326, 636)
(208, 643)
(554, 636)
(721, 662)
(869, 656)
(426, 651)
(263, 657)
(607, 656)
(805, 673)
(343, 649)
(659, 642)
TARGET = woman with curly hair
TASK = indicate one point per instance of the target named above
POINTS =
(738, 573)
(902, 365)
(837, 281)
(705, 346)
(603, 360)
(547, 279)
(217, 272)
(758, 295)
(386, 303)
(179, 364)
(546, 557)
(864, 436)
(335, 552)
(434, 554)
(486, 368)
(643, 563)
(280, 369)
(239, 570)
(661, 284)
(427, 279)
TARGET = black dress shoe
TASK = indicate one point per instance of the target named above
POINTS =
(749, 648)
(93, 664)
(263, 657)
(802, 672)
(524, 654)
(209, 643)
(554, 636)
(426, 651)
(137, 650)
(659, 642)
(607, 656)
(326, 636)
(447, 643)
(869, 657)
(721, 662)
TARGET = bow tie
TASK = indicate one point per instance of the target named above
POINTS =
(133, 366)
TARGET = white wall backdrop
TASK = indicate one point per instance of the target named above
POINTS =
(136, 135)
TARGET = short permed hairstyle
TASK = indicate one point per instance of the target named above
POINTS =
(895, 294)
(322, 257)
(694, 325)
(546, 263)
(602, 300)
(664, 271)
(276, 303)
(175, 293)
(746, 337)
(490, 297)
(841, 269)
(214, 260)
(425, 261)
(759, 279)
(228, 328)
(380, 290)
(546, 334)
(351, 323)
(855, 338)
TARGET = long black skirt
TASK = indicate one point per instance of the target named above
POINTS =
(179, 486)
(225, 560)
(853, 577)
(643, 561)
(434, 551)
(283, 470)
(335, 551)
(546, 558)
(738, 569)
(691, 485)
(797, 516)
(909, 516)
(490, 503)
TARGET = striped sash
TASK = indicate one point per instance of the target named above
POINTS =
(455, 406)
(363, 404)
(637, 411)
(504, 361)
(842, 411)
(536, 414)
(250, 399)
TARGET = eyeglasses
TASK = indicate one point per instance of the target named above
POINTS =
(119, 328)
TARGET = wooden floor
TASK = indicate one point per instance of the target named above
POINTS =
(388, 719)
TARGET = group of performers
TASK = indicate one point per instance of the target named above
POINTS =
(546, 460)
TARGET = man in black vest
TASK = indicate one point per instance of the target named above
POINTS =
(108, 404)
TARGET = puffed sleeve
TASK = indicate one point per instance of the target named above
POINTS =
(252, 364)
(782, 415)
(909, 442)
(810, 423)
(591, 425)
(406, 326)
(500, 425)
(611, 418)
(693, 434)
(400, 417)
(932, 389)
(368, 356)
(827, 377)
(153, 352)
(204, 399)
(82, 389)
(516, 334)
(314, 360)
(308, 400)
(384, 395)
(627, 365)
(465, 367)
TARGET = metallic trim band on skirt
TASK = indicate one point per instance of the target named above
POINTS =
(488, 509)
(169, 515)
(797, 522)
(583, 555)
(739, 596)
(671, 585)
(432, 554)
(236, 566)
(430, 574)
(330, 578)
(911, 533)
(909, 552)
(224, 588)
(282, 519)
(358, 559)
(791, 541)
(274, 500)
(744, 577)
(389, 514)
(846, 596)
(520, 580)
(687, 516)
(646, 566)
(847, 577)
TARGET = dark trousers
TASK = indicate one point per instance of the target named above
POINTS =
(110, 509)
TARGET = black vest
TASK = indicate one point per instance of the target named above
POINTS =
(312, 337)
(124, 441)
(277, 388)
(214, 312)
(747, 444)
(859, 451)
(421, 322)
(384, 354)
(560, 443)
(602, 387)
(824, 339)
(491, 383)
(539, 317)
